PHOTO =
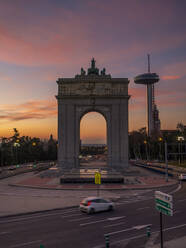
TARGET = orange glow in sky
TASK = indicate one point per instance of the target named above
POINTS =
(93, 129)
(63, 36)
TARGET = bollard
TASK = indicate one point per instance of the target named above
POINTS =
(106, 240)
(148, 231)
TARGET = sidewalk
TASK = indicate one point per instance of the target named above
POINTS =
(30, 193)
(140, 182)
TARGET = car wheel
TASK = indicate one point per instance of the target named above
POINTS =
(91, 211)
(110, 208)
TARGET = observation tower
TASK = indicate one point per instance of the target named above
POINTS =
(149, 79)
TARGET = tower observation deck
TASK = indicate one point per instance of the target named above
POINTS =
(149, 79)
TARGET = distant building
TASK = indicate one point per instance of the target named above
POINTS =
(93, 148)
(156, 120)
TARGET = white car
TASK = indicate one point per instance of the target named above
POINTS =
(94, 204)
(182, 176)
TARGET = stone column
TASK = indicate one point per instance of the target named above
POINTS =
(124, 132)
(70, 135)
(115, 134)
(61, 133)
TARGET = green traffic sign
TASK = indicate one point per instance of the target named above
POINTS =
(163, 210)
(163, 203)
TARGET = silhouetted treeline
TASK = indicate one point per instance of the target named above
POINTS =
(23, 149)
(144, 147)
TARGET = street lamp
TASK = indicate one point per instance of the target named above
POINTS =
(160, 139)
(145, 142)
(180, 139)
(16, 145)
(34, 144)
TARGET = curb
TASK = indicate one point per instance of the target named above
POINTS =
(37, 212)
(85, 189)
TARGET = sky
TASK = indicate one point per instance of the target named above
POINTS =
(43, 40)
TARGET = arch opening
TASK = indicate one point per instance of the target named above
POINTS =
(93, 139)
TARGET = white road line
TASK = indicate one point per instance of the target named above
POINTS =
(142, 208)
(182, 200)
(174, 227)
(122, 203)
(25, 244)
(2, 233)
(80, 219)
(32, 217)
(108, 219)
(122, 240)
(175, 190)
(140, 236)
(129, 229)
(124, 230)
(93, 222)
(67, 216)
(120, 223)
(68, 211)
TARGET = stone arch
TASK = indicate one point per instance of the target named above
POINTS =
(105, 112)
(92, 92)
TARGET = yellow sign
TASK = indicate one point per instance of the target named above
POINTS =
(97, 178)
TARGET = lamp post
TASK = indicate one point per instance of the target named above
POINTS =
(180, 139)
(145, 142)
(16, 145)
(34, 144)
(160, 141)
(166, 163)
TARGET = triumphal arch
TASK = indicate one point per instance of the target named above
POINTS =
(92, 91)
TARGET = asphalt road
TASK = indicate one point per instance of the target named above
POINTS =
(126, 226)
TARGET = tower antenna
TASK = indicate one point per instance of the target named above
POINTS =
(148, 57)
(149, 79)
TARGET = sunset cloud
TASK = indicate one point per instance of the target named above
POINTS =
(170, 77)
(40, 109)
(43, 40)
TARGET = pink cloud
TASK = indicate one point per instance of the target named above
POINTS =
(177, 68)
(68, 35)
(40, 109)
(170, 77)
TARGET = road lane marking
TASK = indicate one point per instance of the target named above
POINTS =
(174, 227)
(67, 216)
(175, 190)
(116, 218)
(129, 229)
(98, 221)
(32, 217)
(182, 200)
(93, 222)
(25, 244)
(68, 211)
(142, 208)
(2, 233)
(140, 236)
(80, 219)
(120, 223)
